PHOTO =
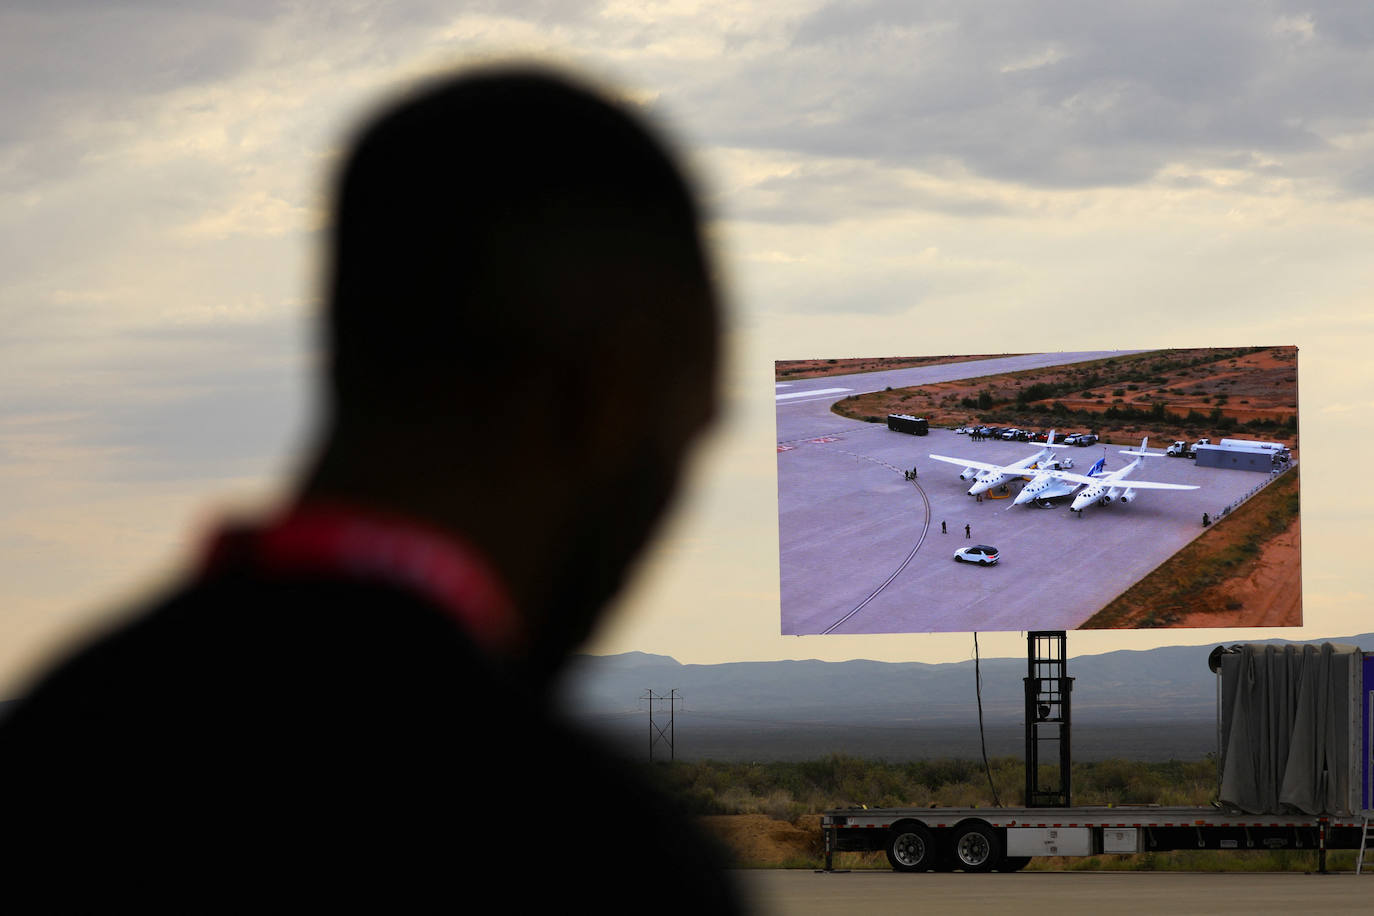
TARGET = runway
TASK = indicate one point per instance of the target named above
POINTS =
(796, 892)
(862, 549)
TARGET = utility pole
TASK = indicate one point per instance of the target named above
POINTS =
(657, 732)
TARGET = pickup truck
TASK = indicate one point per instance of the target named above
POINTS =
(1181, 449)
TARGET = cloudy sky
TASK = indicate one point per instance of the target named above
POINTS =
(884, 178)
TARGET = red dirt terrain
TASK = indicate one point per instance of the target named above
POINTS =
(759, 841)
(1163, 394)
(1245, 571)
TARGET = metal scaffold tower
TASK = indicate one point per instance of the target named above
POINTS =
(1048, 690)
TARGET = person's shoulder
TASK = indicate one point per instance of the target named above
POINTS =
(239, 646)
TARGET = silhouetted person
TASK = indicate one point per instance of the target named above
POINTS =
(968, 532)
(350, 701)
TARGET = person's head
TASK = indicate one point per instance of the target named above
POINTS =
(522, 330)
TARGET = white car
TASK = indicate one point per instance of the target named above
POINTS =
(980, 553)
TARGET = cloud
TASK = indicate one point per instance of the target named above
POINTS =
(1068, 94)
(887, 176)
(820, 191)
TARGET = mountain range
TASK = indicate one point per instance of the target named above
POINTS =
(1153, 704)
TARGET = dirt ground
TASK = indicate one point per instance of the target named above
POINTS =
(757, 840)
(1260, 385)
(1271, 596)
(1258, 547)
(1244, 386)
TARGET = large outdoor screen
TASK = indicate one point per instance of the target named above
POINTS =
(1112, 489)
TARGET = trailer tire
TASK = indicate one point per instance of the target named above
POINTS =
(910, 847)
(974, 848)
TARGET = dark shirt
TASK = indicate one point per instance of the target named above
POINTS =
(280, 740)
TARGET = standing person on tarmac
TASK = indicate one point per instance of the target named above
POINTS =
(350, 702)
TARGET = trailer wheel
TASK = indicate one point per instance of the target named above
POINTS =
(910, 848)
(975, 848)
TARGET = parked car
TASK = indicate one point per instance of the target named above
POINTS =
(1085, 439)
(980, 553)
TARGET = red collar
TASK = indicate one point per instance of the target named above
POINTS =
(345, 542)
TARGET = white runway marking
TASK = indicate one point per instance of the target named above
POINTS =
(814, 392)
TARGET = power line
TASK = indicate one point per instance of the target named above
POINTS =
(978, 678)
(656, 731)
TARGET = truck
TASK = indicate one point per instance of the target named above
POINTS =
(1292, 774)
(1182, 449)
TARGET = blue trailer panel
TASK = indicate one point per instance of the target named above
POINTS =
(1368, 691)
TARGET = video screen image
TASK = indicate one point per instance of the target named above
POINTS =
(1085, 490)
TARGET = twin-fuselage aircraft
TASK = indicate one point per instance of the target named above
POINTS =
(1108, 487)
(1048, 479)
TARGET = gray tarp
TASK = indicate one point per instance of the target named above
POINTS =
(1285, 728)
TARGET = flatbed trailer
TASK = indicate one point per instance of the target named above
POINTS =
(1005, 839)
(1295, 730)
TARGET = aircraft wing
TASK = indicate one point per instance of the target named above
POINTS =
(980, 465)
(1151, 485)
(1119, 481)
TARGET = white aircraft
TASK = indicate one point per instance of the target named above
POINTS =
(986, 476)
(1107, 488)
(1047, 486)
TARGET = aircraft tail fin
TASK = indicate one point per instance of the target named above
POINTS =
(1142, 451)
